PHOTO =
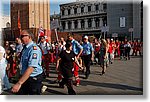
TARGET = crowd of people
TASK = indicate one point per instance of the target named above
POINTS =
(31, 60)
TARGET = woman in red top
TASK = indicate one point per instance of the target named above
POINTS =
(96, 50)
(117, 50)
(110, 51)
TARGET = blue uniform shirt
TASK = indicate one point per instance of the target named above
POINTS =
(19, 48)
(87, 48)
(31, 57)
(76, 47)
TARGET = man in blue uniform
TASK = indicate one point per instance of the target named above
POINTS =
(30, 81)
(87, 55)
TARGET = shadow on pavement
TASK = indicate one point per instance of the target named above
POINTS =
(111, 85)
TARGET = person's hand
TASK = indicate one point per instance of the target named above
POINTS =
(7, 57)
(77, 56)
(92, 58)
(81, 68)
(16, 88)
(105, 57)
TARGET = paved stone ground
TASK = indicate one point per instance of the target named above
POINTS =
(121, 78)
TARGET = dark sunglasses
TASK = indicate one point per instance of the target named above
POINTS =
(21, 36)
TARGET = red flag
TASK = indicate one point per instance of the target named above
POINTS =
(41, 32)
(19, 24)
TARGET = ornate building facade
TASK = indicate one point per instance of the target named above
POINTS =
(83, 17)
(89, 17)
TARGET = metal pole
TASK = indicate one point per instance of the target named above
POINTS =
(56, 35)
(131, 37)
(104, 34)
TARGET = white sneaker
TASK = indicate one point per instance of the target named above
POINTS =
(77, 84)
(43, 89)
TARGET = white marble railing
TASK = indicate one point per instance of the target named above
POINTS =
(82, 29)
(83, 14)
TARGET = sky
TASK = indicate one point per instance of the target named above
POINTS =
(54, 6)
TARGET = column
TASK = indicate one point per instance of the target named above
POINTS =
(72, 10)
(93, 23)
(100, 22)
(85, 8)
(79, 9)
(101, 6)
(86, 23)
(72, 24)
(66, 25)
(93, 7)
(79, 24)
(66, 12)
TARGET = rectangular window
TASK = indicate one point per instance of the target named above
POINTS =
(69, 12)
(82, 9)
(104, 7)
(62, 12)
(75, 10)
(96, 7)
(89, 8)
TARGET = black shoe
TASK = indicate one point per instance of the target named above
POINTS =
(61, 85)
(103, 73)
(86, 76)
(71, 92)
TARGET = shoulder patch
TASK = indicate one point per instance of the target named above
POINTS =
(34, 48)
(34, 56)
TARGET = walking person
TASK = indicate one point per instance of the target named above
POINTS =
(65, 60)
(4, 82)
(30, 81)
(117, 50)
(96, 50)
(87, 55)
(19, 47)
(127, 50)
(122, 50)
(110, 52)
(9, 57)
(45, 47)
(103, 55)
(77, 49)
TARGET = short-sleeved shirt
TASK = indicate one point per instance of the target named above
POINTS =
(45, 47)
(31, 57)
(76, 47)
(66, 63)
(19, 48)
(3, 65)
(87, 48)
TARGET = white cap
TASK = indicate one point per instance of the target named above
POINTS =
(86, 37)
(111, 39)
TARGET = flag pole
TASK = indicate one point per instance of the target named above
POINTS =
(55, 29)
(19, 23)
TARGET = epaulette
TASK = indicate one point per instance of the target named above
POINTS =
(34, 48)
